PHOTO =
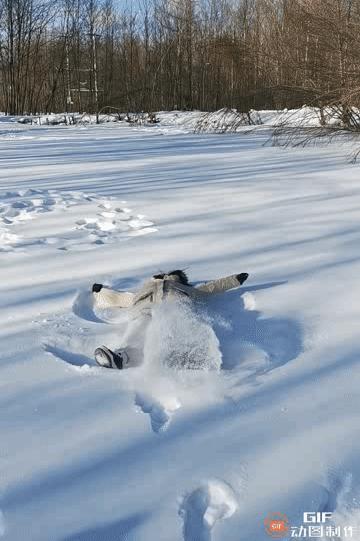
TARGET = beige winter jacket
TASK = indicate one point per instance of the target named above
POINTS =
(155, 290)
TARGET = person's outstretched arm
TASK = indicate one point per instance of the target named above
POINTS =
(109, 298)
(223, 284)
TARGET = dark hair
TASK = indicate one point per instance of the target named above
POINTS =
(159, 276)
(183, 279)
(181, 275)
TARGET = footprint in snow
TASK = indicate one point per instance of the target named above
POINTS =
(24, 205)
(110, 222)
(114, 222)
(160, 412)
(204, 507)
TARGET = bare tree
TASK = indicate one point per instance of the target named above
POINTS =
(83, 55)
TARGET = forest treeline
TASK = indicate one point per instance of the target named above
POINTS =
(86, 55)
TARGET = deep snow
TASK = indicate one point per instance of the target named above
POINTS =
(149, 454)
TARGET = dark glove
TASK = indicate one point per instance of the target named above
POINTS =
(96, 288)
(242, 277)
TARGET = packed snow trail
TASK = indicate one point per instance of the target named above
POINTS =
(157, 454)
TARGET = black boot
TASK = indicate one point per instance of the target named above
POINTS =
(109, 359)
(242, 277)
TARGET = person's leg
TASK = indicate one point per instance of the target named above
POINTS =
(134, 338)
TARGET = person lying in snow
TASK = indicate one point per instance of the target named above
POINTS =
(173, 285)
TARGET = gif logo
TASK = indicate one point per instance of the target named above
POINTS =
(316, 518)
(277, 524)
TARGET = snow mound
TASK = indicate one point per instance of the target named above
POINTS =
(230, 120)
(226, 120)
(220, 121)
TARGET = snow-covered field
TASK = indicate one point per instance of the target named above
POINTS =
(148, 454)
